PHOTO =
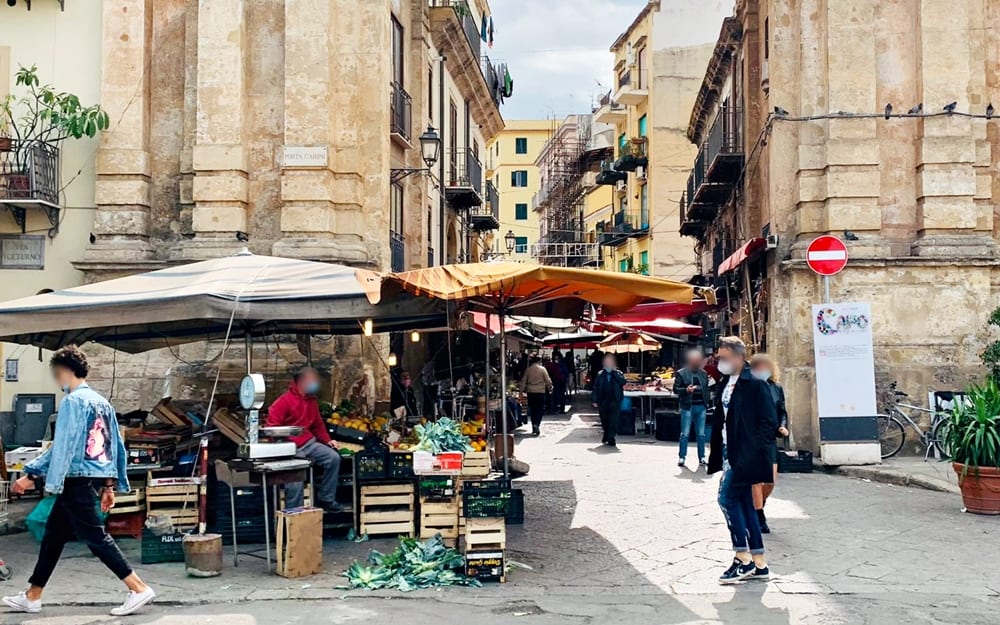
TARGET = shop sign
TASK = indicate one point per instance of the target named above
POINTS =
(22, 251)
(10, 370)
(845, 363)
(304, 156)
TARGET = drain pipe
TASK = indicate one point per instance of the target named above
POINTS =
(441, 158)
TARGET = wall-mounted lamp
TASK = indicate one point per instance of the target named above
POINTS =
(368, 327)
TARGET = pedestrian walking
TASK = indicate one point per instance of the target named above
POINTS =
(691, 388)
(536, 383)
(607, 396)
(744, 424)
(557, 373)
(763, 367)
(83, 468)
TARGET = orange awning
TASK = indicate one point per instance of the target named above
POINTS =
(737, 258)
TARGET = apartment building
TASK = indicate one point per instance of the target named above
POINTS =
(511, 168)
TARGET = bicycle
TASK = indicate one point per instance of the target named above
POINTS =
(892, 431)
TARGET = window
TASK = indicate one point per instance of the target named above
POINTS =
(453, 140)
(642, 126)
(623, 265)
(644, 263)
(621, 143)
(521, 145)
(644, 207)
(396, 208)
(520, 245)
(430, 93)
(519, 178)
(520, 212)
(767, 38)
(397, 52)
(640, 67)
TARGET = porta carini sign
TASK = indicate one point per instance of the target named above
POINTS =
(22, 251)
(304, 156)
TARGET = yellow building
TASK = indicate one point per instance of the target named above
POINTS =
(511, 166)
(44, 228)
(659, 62)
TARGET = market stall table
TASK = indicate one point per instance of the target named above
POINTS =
(271, 473)
(650, 396)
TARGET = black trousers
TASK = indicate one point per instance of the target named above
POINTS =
(609, 420)
(536, 408)
(75, 513)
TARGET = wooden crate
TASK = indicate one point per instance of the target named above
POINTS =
(127, 524)
(299, 542)
(132, 501)
(440, 517)
(485, 534)
(178, 501)
(476, 464)
(387, 509)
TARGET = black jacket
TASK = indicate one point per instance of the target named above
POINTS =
(778, 394)
(609, 388)
(750, 427)
(686, 377)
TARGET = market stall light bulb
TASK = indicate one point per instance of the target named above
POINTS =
(392, 360)
(414, 337)
(368, 327)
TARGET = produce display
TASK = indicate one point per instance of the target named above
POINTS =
(442, 435)
(346, 415)
(413, 565)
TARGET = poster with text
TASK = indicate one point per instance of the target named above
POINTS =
(845, 360)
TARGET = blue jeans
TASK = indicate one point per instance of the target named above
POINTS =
(695, 414)
(736, 501)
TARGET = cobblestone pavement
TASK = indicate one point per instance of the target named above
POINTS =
(621, 536)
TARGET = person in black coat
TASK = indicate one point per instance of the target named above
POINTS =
(763, 367)
(743, 429)
(607, 396)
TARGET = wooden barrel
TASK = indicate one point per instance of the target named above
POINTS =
(203, 555)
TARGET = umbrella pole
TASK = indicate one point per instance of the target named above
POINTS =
(487, 412)
(503, 394)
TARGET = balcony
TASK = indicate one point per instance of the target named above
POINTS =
(609, 175)
(690, 227)
(464, 185)
(563, 254)
(401, 115)
(610, 112)
(29, 180)
(717, 167)
(487, 215)
(397, 251)
(633, 155)
(631, 87)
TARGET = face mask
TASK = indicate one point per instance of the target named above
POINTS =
(609, 368)
(762, 374)
(312, 388)
(725, 367)
(65, 388)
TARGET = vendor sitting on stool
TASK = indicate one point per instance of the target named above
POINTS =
(298, 407)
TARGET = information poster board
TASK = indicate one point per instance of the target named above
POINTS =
(845, 366)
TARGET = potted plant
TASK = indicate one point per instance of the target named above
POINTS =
(972, 438)
(6, 145)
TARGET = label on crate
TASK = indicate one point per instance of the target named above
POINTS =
(174, 481)
(484, 564)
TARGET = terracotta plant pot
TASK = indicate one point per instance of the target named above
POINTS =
(18, 186)
(980, 488)
(6, 144)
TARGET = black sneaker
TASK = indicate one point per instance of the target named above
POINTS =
(762, 521)
(737, 572)
(612, 443)
(703, 462)
(680, 462)
(763, 574)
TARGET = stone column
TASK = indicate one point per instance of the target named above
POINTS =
(122, 190)
(219, 154)
(337, 97)
(949, 223)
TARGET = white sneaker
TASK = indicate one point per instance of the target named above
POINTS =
(21, 603)
(134, 602)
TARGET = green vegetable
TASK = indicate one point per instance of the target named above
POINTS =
(441, 435)
(412, 565)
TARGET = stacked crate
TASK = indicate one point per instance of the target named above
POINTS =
(440, 508)
(387, 509)
(485, 504)
(175, 497)
(129, 514)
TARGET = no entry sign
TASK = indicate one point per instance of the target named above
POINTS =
(826, 255)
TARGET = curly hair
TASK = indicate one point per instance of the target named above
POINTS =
(71, 358)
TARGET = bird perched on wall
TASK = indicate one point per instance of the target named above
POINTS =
(850, 236)
(916, 110)
(989, 111)
(242, 237)
(888, 110)
(950, 108)
(780, 112)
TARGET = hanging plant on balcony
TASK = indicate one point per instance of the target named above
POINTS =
(42, 116)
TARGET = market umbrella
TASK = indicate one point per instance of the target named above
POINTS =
(244, 295)
(628, 343)
(528, 289)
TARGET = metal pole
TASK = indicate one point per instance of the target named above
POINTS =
(826, 289)
(248, 343)
(503, 394)
(487, 415)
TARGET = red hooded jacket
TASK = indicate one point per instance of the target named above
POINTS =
(295, 409)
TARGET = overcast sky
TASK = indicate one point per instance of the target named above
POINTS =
(557, 51)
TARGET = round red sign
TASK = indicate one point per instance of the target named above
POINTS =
(826, 255)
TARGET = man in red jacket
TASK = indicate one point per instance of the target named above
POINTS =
(298, 407)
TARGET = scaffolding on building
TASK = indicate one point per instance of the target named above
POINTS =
(561, 198)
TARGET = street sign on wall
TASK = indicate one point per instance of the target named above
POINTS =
(22, 251)
(826, 255)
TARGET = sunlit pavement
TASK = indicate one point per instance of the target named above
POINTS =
(617, 536)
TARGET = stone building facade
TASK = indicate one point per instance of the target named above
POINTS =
(796, 140)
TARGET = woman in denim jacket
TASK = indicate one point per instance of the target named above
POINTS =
(84, 466)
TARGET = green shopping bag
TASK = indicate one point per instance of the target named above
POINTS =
(38, 517)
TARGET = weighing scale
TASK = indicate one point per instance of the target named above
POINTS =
(252, 391)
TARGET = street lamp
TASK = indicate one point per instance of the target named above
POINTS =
(511, 240)
(430, 151)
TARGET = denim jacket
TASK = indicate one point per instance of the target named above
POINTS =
(87, 443)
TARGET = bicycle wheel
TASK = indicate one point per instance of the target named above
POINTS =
(938, 434)
(891, 435)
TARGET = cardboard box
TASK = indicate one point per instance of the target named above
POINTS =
(498, 445)
(236, 479)
(299, 542)
(17, 458)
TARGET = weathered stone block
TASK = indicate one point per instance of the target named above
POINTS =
(947, 213)
(219, 219)
(121, 222)
(121, 192)
(220, 187)
(219, 157)
(948, 179)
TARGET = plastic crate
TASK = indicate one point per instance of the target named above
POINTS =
(485, 485)
(800, 461)
(437, 486)
(401, 465)
(156, 549)
(372, 464)
(485, 566)
(515, 512)
(485, 503)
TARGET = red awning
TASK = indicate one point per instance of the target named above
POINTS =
(479, 324)
(648, 313)
(747, 250)
(660, 325)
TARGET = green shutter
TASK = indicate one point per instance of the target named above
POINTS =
(520, 212)
(642, 126)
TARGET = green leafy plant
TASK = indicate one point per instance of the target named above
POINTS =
(442, 435)
(991, 355)
(972, 431)
(414, 564)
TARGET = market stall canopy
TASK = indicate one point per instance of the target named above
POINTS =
(746, 251)
(629, 343)
(530, 289)
(479, 324)
(662, 310)
(580, 339)
(260, 295)
(669, 327)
